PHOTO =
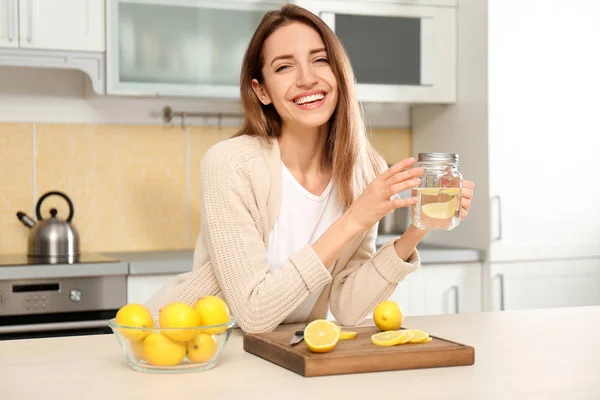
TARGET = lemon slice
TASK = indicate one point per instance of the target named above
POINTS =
(427, 340)
(347, 335)
(440, 210)
(419, 336)
(388, 338)
(321, 336)
(407, 337)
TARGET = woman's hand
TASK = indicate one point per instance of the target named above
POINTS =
(467, 197)
(376, 201)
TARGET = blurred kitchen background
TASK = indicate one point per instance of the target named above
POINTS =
(114, 103)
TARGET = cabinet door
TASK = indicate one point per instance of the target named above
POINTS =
(453, 288)
(545, 284)
(9, 22)
(62, 24)
(179, 48)
(141, 287)
(409, 294)
(542, 149)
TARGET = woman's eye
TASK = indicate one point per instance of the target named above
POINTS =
(322, 60)
(281, 68)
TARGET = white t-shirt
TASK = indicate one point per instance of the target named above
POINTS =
(303, 217)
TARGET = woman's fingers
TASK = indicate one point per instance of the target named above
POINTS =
(467, 193)
(404, 175)
(402, 186)
(398, 167)
(468, 185)
(399, 203)
(465, 203)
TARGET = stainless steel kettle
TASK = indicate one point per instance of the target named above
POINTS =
(52, 240)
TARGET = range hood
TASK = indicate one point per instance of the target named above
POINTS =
(91, 63)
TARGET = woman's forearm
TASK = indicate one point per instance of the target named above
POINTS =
(331, 243)
(407, 243)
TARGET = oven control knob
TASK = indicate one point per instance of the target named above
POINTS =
(75, 295)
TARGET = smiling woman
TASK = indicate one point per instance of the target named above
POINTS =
(290, 204)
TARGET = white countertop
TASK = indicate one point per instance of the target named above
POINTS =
(536, 354)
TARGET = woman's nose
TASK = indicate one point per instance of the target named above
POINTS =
(306, 76)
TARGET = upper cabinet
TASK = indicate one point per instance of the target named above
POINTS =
(9, 17)
(181, 47)
(76, 25)
(401, 51)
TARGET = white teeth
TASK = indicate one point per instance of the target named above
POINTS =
(309, 99)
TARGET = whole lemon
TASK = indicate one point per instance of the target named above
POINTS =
(134, 315)
(388, 316)
(138, 348)
(213, 311)
(179, 315)
(163, 351)
(202, 348)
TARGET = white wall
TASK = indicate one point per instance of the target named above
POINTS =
(65, 96)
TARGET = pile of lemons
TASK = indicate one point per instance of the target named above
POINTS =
(177, 336)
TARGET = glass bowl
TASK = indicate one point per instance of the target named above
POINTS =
(172, 350)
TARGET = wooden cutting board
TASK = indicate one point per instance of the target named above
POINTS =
(357, 355)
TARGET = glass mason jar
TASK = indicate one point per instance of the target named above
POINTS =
(439, 194)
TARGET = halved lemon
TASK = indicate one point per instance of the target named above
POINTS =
(419, 336)
(429, 339)
(347, 335)
(321, 336)
(388, 338)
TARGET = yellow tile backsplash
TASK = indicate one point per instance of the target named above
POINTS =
(393, 144)
(127, 183)
(16, 185)
(134, 187)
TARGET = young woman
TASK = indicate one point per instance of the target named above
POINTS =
(290, 205)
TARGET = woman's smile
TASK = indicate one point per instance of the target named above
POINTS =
(310, 100)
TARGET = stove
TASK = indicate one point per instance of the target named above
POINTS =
(42, 297)
(22, 259)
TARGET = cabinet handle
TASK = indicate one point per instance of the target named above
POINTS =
(456, 298)
(9, 19)
(30, 21)
(501, 281)
(499, 237)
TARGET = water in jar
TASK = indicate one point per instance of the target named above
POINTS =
(436, 208)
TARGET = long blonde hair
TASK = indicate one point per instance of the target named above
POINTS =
(353, 159)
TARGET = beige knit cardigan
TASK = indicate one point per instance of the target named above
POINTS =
(240, 181)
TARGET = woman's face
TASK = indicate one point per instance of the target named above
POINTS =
(298, 79)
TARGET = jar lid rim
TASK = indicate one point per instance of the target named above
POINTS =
(439, 157)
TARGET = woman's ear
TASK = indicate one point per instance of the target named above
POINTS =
(261, 92)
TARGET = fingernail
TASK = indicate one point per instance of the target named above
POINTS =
(416, 181)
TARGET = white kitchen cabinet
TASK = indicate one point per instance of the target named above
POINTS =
(409, 294)
(141, 287)
(180, 47)
(522, 123)
(9, 25)
(400, 51)
(61, 24)
(452, 288)
(545, 284)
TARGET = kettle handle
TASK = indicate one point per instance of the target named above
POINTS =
(64, 196)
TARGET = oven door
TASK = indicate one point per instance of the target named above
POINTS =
(37, 326)
(51, 307)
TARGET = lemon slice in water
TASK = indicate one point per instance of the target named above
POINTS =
(443, 210)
